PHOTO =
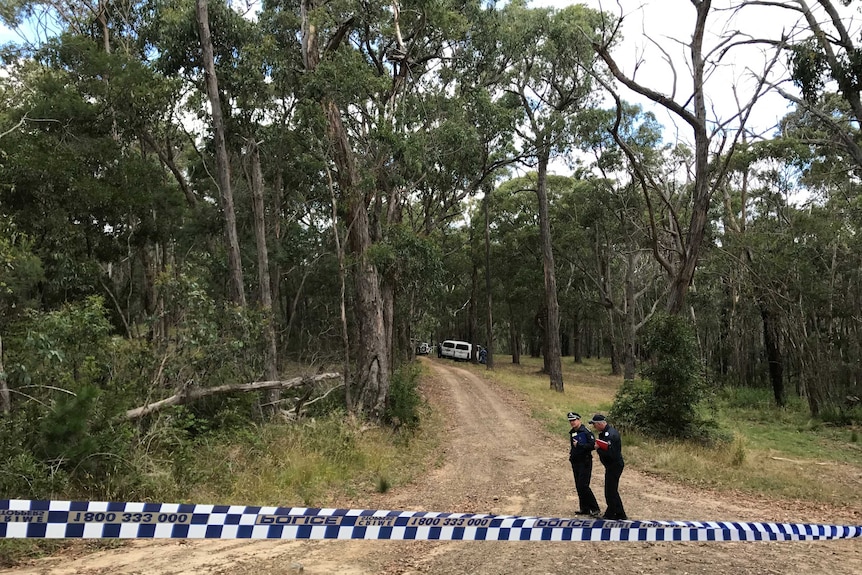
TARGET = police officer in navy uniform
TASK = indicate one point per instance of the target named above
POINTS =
(609, 444)
(582, 442)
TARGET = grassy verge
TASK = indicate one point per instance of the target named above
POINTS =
(777, 452)
(334, 460)
(327, 461)
(314, 463)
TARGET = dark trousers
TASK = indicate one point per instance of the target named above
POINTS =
(583, 472)
(612, 492)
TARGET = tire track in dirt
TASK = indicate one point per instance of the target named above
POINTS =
(497, 460)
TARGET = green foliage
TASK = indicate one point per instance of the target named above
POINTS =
(212, 344)
(673, 365)
(841, 414)
(809, 66)
(20, 269)
(402, 409)
(738, 451)
(22, 474)
(64, 433)
(66, 348)
(633, 406)
(62, 430)
(382, 485)
(673, 387)
(410, 262)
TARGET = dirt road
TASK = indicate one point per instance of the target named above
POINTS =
(499, 461)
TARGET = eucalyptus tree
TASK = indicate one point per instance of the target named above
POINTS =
(22, 273)
(551, 55)
(608, 213)
(104, 64)
(101, 197)
(366, 64)
(714, 139)
(223, 179)
(516, 261)
(804, 263)
(472, 141)
(517, 254)
(825, 60)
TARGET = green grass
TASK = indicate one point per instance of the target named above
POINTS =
(587, 388)
(332, 460)
(313, 463)
(777, 452)
(316, 462)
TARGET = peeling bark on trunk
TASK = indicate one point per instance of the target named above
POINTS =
(372, 370)
(387, 291)
(372, 348)
(630, 329)
(552, 323)
(514, 339)
(5, 400)
(265, 287)
(237, 290)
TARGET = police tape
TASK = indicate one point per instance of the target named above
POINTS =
(21, 518)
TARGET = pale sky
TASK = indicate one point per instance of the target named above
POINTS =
(670, 23)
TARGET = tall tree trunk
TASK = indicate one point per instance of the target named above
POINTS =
(271, 356)
(577, 339)
(514, 338)
(706, 177)
(552, 323)
(342, 274)
(630, 328)
(372, 359)
(5, 400)
(773, 354)
(278, 201)
(390, 331)
(537, 341)
(489, 319)
(150, 292)
(372, 369)
(703, 174)
(473, 310)
(237, 290)
(613, 343)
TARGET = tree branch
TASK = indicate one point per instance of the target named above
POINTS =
(198, 393)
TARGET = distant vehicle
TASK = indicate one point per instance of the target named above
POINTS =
(423, 348)
(454, 349)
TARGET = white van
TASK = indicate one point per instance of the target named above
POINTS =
(455, 349)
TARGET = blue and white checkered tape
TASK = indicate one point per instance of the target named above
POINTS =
(21, 518)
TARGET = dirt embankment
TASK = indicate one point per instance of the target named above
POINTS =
(499, 461)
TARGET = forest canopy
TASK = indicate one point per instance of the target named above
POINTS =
(196, 199)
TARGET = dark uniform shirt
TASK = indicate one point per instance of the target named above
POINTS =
(613, 455)
(582, 443)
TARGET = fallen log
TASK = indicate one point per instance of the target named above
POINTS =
(196, 393)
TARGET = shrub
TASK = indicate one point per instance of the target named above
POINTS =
(404, 398)
(673, 385)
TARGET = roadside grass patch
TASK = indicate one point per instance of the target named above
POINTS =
(761, 449)
(587, 388)
(312, 463)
